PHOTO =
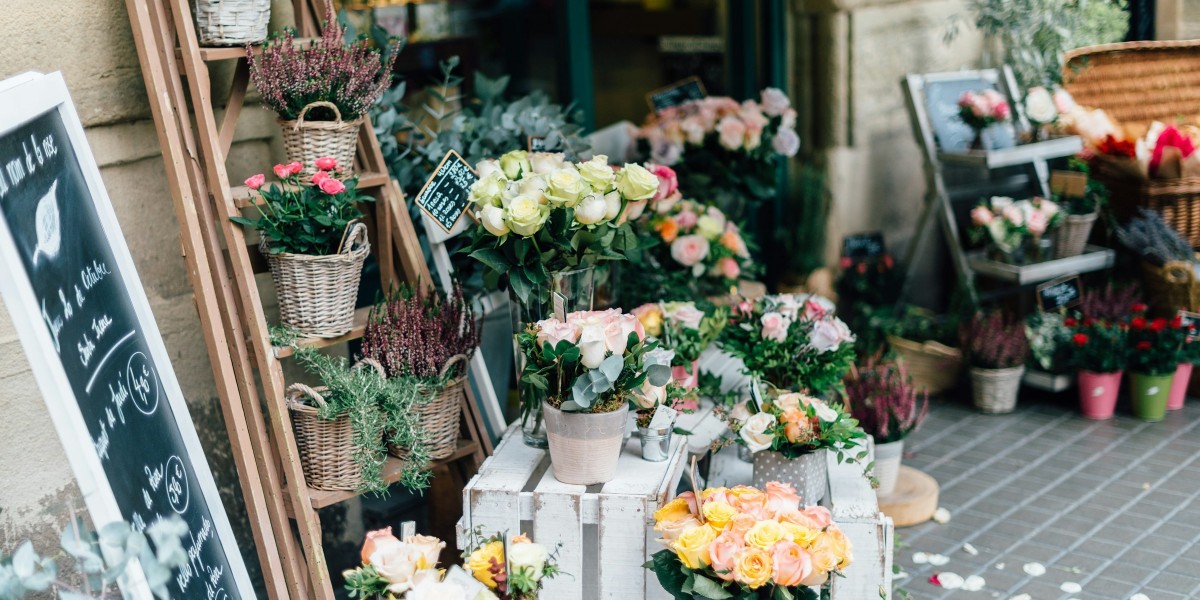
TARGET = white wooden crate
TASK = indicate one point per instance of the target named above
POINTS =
(603, 533)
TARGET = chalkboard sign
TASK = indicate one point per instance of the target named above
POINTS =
(84, 321)
(675, 94)
(447, 193)
(1190, 322)
(952, 135)
(538, 143)
(1061, 293)
(864, 245)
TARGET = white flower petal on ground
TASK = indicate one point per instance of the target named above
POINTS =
(1071, 587)
(973, 583)
(950, 581)
(901, 575)
(938, 560)
(969, 549)
(1021, 597)
(1034, 569)
(941, 516)
(999, 566)
(920, 558)
(1139, 597)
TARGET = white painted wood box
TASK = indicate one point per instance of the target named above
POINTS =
(603, 533)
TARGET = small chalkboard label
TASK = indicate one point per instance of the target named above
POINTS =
(1190, 322)
(1064, 292)
(447, 193)
(675, 94)
(537, 143)
(864, 245)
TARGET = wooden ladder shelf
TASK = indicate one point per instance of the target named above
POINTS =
(222, 263)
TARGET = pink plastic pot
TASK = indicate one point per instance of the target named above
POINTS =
(1098, 393)
(685, 380)
(1179, 386)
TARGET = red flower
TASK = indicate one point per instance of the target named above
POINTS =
(318, 177)
(887, 261)
(1143, 345)
(845, 262)
(1139, 308)
(326, 163)
(1158, 325)
(1070, 322)
(1080, 339)
(1114, 147)
(1177, 322)
(862, 268)
(1087, 321)
(1138, 323)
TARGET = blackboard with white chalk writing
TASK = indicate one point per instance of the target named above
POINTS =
(86, 325)
(864, 245)
(1190, 322)
(1064, 292)
(446, 194)
(675, 94)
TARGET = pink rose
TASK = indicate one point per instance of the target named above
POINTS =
(553, 331)
(318, 177)
(255, 181)
(814, 310)
(828, 334)
(685, 313)
(690, 498)
(731, 132)
(693, 128)
(781, 498)
(775, 326)
(980, 215)
(740, 524)
(1000, 109)
(721, 553)
(686, 219)
(775, 102)
(326, 163)
(665, 205)
(820, 515)
(1037, 222)
(294, 168)
(689, 250)
(632, 211)
(1063, 101)
(729, 268)
(281, 171)
(1013, 215)
(332, 186)
(791, 564)
(668, 181)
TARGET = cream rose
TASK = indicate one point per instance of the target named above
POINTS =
(525, 216)
(544, 163)
(636, 183)
(597, 173)
(487, 190)
(828, 334)
(528, 558)
(593, 346)
(731, 132)
(488, 167)
(430, 548)
(822, 410)
(492, 219)
(397, 563)
(649, 396)
(534, 187)
(612, 205)
(591, 209)
(515, 164)
(1039, 105)
(754, 431)
(565, 187)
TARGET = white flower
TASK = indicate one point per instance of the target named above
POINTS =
(685, 313)
(533, 186)
(492, 218)
(1000, 202)
(487, 190)
(709, 227)
(1039, 105)
(591, 209)
(566, 187)
(828, 334)
(823, 411)
(786, 142)
(530, 558)
(774, 102)
(612, 205)
(739, 412)
(597, 173)
(592, 344)
(428, 586)
(755, 434)
(546, 162)
(488, 167)
(397, 563)
(649, 395)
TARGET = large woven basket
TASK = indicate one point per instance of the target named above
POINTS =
(995, 390)
(439, 415)
(232, 22)
(1071, 237)
(1141, 82)
(306, 141)
(317, 293)
(933, 366)
(326, 446)
(1171, 287)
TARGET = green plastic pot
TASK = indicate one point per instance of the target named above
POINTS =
(1150, 394)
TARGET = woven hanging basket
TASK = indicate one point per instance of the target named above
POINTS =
(1171, 287)
(232, 22)
(1072, 236)
(306, 141)
(317, 293)
(934, 367)
(439, 416)
(326, 446)
(995, 390)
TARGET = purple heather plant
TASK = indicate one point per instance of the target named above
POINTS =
(995, 341)
(290, 76)
(883, 398)
(414, 333)
(1110, 303)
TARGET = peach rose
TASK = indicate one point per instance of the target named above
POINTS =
(792, 564)
(671, 530)
(722, 553)
(832, 547)
(733, 241)
(781, 498)
(728, 268)
(731, 132)
(801, 518)
(377, 538)
(741, 523)
(820, 515)
(689, 250)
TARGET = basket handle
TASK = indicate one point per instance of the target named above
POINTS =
(370, 362)
(321, 103)
(354, 236)
(299, 389)
(1178, 271)
(450, 362)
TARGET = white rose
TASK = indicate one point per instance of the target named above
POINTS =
(754, 431)
(492, 219)
(790, 401)
(1039, 105)
(429, 546)
(827, 335)
(591, 209)
(822, 410)
(649, 396)
(525, 216)
(597, 173)
(397, 563)
(612, 205)
(685, 313)
(543, 163)
(709, 227)
(428, 586)
(565, 187)
(534, 187)
(488, 167)
(592, 344)
(739, 412)
(487, 190)
(530, 558)
(1000, 202)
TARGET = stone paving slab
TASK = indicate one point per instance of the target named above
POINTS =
(1111, 505)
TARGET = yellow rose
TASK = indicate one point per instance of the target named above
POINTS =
(832, 543)
(481, 560)
(525, 215)
(719, 514)
(710, 492)
(671, 530)
(674, 510)
(803, 536)
(765, 534)
(692, 546)
(709, 227)
(636, 183)
(597, 173)
(430, 547)
(752, 567)
(565, 187)
(651, 317)
(515, 164)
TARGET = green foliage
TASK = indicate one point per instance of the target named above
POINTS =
(296, 218)
(1097, 345)
(559, 373)
(1049, 340)
(801, 231)
(364, 582)
(920, 325)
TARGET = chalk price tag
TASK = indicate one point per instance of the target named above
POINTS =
(446, 195)
(864, 245)
(1191, 322)
(560, 306)
(1064, 292)
(664, 417)
(675, 94)
(537, 143)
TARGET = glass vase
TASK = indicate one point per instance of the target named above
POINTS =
(574, 290)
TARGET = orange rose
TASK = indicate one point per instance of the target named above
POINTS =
(752, 567)
(781, 498)
(741, 524)
(792, 564)
(820, 514)
(376, 538)
(668, 229)
(722, 552)
(801, 518)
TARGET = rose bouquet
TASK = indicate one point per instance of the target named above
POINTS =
(791, 342)
(685, 329)
(731, 148)
(539, 214)
(794, 424)
(980, 110)
(747, 544)
(1010, 226)
(396, 569)
(514, 570)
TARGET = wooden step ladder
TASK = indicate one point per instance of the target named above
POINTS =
(222, 261)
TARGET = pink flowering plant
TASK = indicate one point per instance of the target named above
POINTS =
(980, 110)
(1005, 224)
(305, 216)
(594, 362)
(791, 342)
(885, 402)
(731, 148)
(683, 327)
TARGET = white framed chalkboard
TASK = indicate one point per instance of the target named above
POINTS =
(86, 326)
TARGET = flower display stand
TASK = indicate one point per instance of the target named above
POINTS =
(603, 533)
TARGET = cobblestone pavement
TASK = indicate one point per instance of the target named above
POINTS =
(1109, 505)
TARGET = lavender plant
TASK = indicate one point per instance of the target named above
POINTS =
(883, 398)
(414, 333)
(1151, 238)
(995, 341)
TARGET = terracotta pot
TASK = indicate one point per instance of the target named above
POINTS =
(1098, 393)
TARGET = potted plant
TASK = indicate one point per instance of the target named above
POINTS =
(927, 345)
(1168, 263)
(1183, 373)
(787, 434)
(428, 336)
(320, 91)
(588, 368)
(1049, 338)
(996, 350)
(980, 110)
(543, 225)
(686, 329)
(1013, 229)
(1155, 351)
(867, 288)
(1098, 353)
(886, 404)
(1081, 211)
(314, 244)
(747, 543)
(232, 22)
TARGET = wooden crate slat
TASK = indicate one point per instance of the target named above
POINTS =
(491, 500)
(622, 547)
(558, 524)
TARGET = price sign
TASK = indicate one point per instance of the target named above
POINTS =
(446, 194)
(1191, 322)
(1069, 184)
(675, 94)
(538, 143)
(864, 245)
(1064, 292)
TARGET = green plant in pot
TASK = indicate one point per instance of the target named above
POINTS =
(1156, 347)
(589, 367)
(996, 350)
(882, 398)
(1080, 213)
(1098, 353)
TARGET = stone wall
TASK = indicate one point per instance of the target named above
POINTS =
(1178, 19)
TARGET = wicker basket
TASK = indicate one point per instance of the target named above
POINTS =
(439, 416)
(306, 141)
(995, 390)
(1072, 236)
(1170, 287)
(317, 293)
(1141, 82)
(232, 22)
(933, 366)
(326, 446)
